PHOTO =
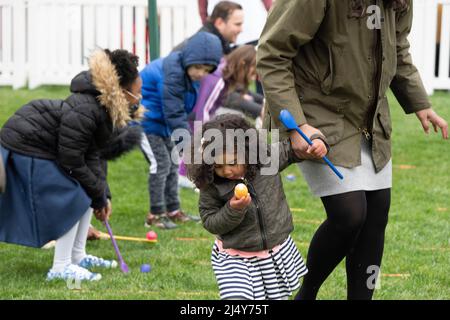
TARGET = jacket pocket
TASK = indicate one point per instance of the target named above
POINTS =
(384, 118)
(329, 122)
(323, 112)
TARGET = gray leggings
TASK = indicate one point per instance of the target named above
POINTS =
(163, 176)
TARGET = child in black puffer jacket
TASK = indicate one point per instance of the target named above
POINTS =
(56, 176)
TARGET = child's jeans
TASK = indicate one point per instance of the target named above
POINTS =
(163, 176)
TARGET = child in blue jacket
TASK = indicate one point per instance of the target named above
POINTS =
(169, 93)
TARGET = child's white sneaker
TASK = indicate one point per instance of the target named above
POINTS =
(73, 272)
(92, 261)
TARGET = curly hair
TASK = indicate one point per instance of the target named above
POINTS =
(126, 65)
(358, 7)
(204, 174)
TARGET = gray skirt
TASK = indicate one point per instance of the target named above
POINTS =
(323, 182)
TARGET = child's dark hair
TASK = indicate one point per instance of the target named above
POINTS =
(126, 65)
(203, 174)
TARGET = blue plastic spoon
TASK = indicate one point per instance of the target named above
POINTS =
(289, 122)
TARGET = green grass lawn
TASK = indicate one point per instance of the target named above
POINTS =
(416, 260)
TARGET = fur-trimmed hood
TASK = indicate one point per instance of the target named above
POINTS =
(102, 80)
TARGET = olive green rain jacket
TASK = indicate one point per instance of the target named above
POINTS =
(332, 71)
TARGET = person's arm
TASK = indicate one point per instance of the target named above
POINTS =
(236, 101)
(173, 96)
(124, 140)
(75, 137)
(407, 85)
(210, 91)
(203, 10)
(105, 212)
(287, 155)
(258, 98)
(290, 24)
(216, 217)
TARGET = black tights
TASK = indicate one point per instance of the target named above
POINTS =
(354, 229)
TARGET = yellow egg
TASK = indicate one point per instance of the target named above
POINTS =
(240, 191)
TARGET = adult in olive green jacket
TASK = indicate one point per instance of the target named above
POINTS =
(330, 63)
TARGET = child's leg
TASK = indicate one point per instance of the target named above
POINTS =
(79, 247)
(172, 197)
(63, 249)
(79, 256)
(171, 191)
(63, 268)
(183, 180)
(155, 151)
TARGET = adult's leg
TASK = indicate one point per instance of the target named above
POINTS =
(346, 214)
(364, 261)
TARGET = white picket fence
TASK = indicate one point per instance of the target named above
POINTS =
(47, 41)
(442, 81)
(423, 43)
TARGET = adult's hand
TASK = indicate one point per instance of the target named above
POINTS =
(302, 149)
(428, 115)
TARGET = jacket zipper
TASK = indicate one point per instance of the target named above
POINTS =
(258, 210)
(376, 66)
(366, 134)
